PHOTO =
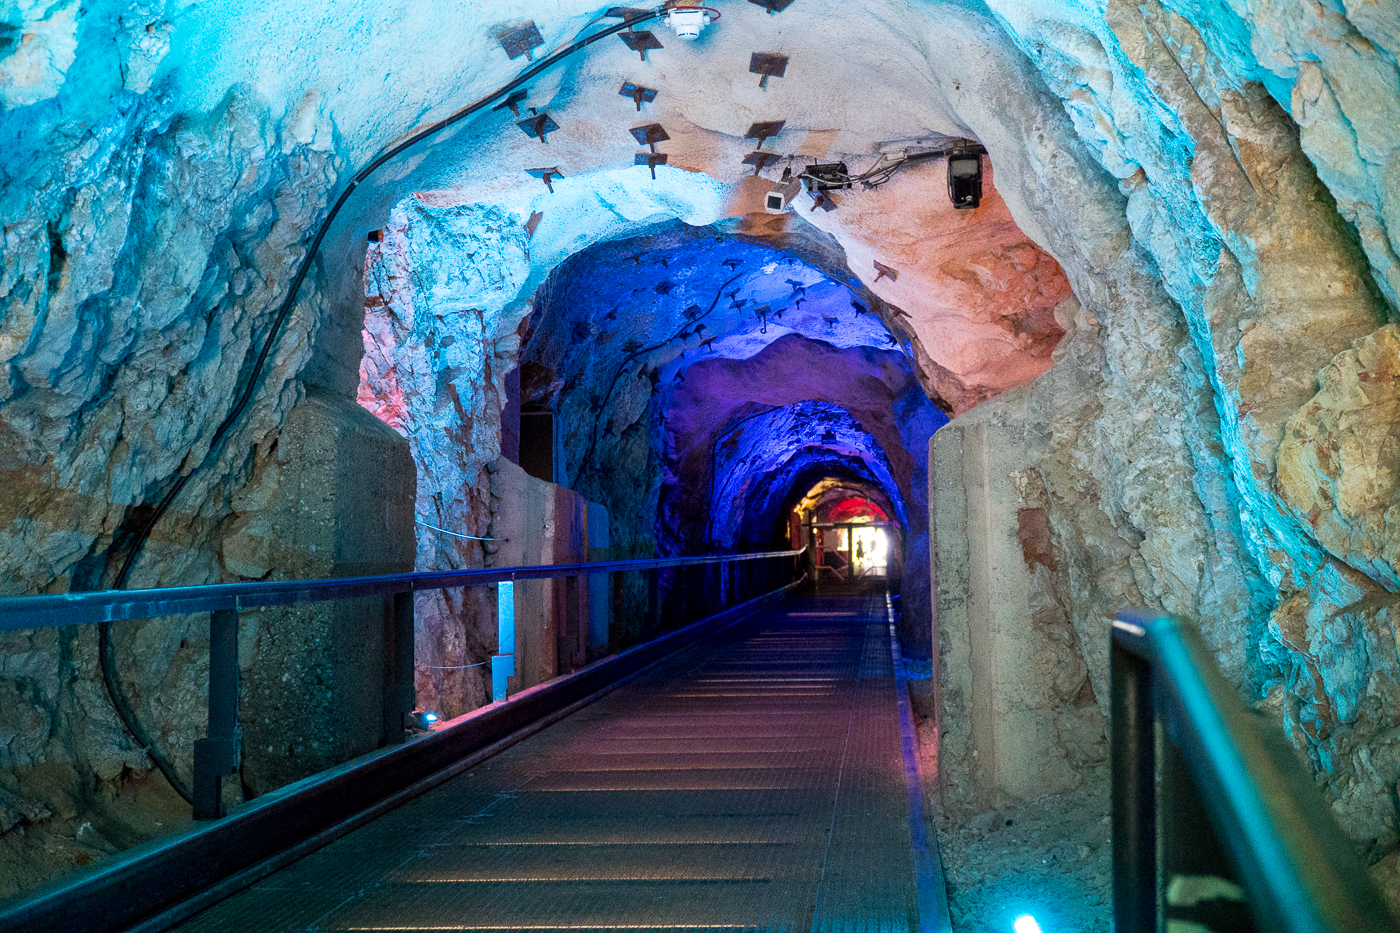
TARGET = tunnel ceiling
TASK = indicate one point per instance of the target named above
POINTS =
(696, 370)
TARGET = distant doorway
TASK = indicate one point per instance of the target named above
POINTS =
(850, 533)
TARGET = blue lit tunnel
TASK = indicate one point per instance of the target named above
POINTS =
(705, 379)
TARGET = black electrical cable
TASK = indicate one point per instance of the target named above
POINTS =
(138, 541)
(879, 173)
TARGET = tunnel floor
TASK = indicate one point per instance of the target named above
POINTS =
(752, 781)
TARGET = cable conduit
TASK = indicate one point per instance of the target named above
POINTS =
(110, 680)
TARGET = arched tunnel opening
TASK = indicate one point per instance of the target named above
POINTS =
(1008, 316)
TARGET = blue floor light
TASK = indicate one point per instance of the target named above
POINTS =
(1025, 924)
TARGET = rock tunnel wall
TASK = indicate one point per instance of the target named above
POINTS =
(1217, 183)
(1207, 441)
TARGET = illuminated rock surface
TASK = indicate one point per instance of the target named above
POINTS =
(1217, 185)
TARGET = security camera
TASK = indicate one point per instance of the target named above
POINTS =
(780, 196)
(687, 20)
(965, 178)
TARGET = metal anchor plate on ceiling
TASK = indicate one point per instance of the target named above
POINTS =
(546, 175)
(759, 159)
(520, 40)
(538, 126)
(768, 64)
(640, 41)
(765, 130)
(640, 95)
(651, 160)
(773, 6)
(650, 135)
(514, 101)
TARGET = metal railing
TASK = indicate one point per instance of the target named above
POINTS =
(733, 578)
(1215, 820)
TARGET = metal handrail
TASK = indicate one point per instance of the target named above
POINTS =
(217, 755)
(1203, 788)
(28, 612)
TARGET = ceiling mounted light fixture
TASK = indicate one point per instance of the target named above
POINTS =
(687, 20)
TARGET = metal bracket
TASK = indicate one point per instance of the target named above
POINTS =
(651, 160)
(520, 40)
(513, 101)
(759, 159)
(764, 130)
(828, 175)
(640, 41)
(773, 6)
(640, 95)
(883, 271)
(768, 64)
(538, 126)
(650, 135)
(547, 175)
(824, 200)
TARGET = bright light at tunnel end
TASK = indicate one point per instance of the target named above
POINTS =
(1025, 924)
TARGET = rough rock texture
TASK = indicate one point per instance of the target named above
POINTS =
(1183, 450)
(1219, 184)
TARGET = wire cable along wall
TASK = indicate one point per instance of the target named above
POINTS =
(136, 542)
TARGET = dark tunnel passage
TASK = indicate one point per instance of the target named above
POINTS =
(701, 377)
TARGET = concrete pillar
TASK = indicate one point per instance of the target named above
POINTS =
(336, 501)
(999, 733)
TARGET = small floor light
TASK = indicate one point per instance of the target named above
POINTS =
(424, 719)
(1025, 924)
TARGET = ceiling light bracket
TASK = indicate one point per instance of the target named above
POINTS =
(521, 40)
(538, 126)
(768, 64)
(640, 95)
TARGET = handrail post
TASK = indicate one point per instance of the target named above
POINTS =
(216, 755)
(1133, 752)
(653, 600)
(399, 692)
(503, 662)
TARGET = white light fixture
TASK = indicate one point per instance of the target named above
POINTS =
(1025, 924)
(687, 21)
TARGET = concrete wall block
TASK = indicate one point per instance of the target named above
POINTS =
(541, 523)
(1009, 716)
(313, 692)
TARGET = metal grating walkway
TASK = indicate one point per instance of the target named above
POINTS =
(751, 782)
